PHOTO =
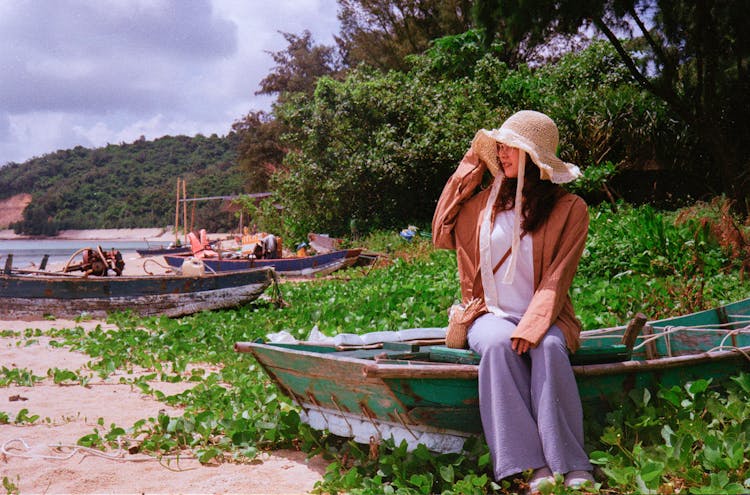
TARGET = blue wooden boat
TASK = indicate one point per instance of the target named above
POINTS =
(27, 295)
(423, 392)
(303, 266)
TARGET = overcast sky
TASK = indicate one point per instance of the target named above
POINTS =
(92, 72)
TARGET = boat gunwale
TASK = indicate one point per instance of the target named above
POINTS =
(373, 369)
(67, 277)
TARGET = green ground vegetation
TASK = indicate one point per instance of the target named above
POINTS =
(687, 439)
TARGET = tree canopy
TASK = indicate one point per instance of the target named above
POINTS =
(298, 66)
(693, 55)
(378, 147)
(382, 33)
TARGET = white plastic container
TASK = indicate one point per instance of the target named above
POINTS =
(193, 267)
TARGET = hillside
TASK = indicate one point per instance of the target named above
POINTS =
(122, 186)
(11, 209)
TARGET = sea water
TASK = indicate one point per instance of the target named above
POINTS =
(28, 253)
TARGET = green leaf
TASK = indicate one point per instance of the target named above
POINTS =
(447, 473)
(743, 380)
(651, 471)
(599, 457)
(697, 387)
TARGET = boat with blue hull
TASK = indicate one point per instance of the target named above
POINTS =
(302, 266)
(26, 296)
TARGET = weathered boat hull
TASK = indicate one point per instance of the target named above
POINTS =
(33, 296)
(437, 404)
(322, 264)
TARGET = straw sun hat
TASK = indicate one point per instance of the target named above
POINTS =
(534, 133)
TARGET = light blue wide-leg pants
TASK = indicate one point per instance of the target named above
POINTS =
(530, 408)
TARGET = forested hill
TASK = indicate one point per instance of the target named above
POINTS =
(126, 185)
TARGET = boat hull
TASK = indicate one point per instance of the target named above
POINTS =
(437, 404)
(33, 296)
(322, 264)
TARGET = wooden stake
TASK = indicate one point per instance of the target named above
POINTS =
(634, 328)
(192, 217)
(177, 214)
(184, 210)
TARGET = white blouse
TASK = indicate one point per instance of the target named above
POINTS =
(513, 299)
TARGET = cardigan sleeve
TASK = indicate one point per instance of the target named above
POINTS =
(460, 186)
(552, 292)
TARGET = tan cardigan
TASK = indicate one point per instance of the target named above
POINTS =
(558, 246)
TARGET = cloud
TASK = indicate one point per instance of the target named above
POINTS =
(100, 56)
(77, 72)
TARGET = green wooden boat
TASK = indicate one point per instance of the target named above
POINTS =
(423, 392)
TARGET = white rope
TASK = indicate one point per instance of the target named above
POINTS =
(734, 333)
(615, 332)
(709, 328)
(712, 326)
(602, 331)
(118, 455)
(656, 336)
(741, 350)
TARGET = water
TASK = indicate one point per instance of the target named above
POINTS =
(28, 253)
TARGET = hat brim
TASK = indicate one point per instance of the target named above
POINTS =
(485, 146)
(551, 167)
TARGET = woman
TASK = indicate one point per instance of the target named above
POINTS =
(524, 322)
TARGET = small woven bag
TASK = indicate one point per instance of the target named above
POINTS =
(461, 316)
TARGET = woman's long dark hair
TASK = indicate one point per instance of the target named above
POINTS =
(539, 196)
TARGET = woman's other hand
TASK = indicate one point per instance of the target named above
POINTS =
(520, 345)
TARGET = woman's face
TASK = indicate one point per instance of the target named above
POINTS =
(508, 160)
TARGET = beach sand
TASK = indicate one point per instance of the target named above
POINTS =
(153, 234)
(30, 461)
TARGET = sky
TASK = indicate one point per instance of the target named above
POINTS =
(98, 72)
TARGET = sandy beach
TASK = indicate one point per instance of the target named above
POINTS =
(162, 235)
(153, 234)
(43, 457)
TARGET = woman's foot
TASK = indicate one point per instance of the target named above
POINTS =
(539, 478)
(576, 479)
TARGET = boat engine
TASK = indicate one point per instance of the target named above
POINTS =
(98, 262)
(267, 248)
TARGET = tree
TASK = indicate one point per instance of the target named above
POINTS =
(381, 33)
(377, 147)
(693, 55)
(299, 66)
(259, 152)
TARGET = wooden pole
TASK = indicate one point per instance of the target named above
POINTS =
(192, 217)
(177, 214)
(184, 210)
